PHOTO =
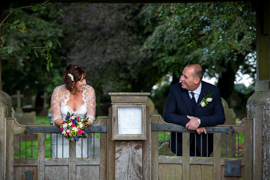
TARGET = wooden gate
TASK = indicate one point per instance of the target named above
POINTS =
(168, 166)
(53, 168)
(164, 165)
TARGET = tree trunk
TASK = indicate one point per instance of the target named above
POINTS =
(226, 81)
(175, 79)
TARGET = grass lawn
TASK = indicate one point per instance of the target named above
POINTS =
(42, 120)
(34, 149)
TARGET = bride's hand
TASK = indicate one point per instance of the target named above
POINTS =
(89, 122)
(58, 122)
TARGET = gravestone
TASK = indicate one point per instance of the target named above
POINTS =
(18, 96)
(24, 118)
(151, 106)
(229, 114)
(164, 150)
(228, 140)
(33, 99)
(44, 111)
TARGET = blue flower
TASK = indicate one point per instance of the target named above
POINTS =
(83, 129)
(76, 138)
(67, 118)
(74, 122)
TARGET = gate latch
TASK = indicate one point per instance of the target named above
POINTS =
(29, 175)
(232, 168)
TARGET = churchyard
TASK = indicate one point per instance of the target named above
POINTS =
(240, 145)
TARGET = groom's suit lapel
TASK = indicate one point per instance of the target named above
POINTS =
(187, 101)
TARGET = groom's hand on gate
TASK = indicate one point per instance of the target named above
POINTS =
(201, 130)
(193, 124)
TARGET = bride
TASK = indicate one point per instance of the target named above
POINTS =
(75, 97)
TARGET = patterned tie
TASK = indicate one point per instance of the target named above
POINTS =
(193, 101)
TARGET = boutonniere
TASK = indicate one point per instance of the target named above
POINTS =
(207, 99)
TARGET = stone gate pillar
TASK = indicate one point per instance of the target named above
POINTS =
(258, 104)
(5, 111)
(129, 137)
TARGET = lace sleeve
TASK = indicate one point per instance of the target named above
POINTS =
(91, 103)
(56, 103)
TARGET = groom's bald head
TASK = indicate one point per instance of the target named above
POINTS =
(198, 70)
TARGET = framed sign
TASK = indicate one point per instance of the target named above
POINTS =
(128, 122)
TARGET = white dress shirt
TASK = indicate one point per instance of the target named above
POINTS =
(196, 92)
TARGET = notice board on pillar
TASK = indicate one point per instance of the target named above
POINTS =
(129, 122)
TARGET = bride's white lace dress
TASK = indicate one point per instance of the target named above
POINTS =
(59, 107)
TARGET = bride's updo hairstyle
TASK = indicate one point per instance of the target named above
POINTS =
(72, 75)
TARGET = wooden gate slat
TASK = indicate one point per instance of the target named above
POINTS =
(72, 159)
(3, 136)
(41, 156)
(10, 149)
(170, 171)
(103, 150)
(147, 150)
(154, 150)
(217, 156)
(110, 150)
(195, 172)
(186, 155)
(207, 172)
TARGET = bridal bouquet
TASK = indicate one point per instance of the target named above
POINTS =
(74, 128)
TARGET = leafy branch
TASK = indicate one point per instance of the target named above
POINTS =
(39, 48)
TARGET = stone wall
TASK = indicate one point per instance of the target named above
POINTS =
(258, 107)
(5, 111)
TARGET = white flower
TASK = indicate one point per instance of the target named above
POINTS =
(209, 99)
(74, 129)
(72, 117)
(80, 124)
(202, 104)
(70, 124)
(65, 125)
(64, 132)
(68, 131)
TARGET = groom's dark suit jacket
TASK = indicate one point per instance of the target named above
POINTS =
(179, 106)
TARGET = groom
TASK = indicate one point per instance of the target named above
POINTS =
(186, 107)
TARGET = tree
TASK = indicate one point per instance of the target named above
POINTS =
(24, 65)
(105, 39)
(217, 35)
(16, 21)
